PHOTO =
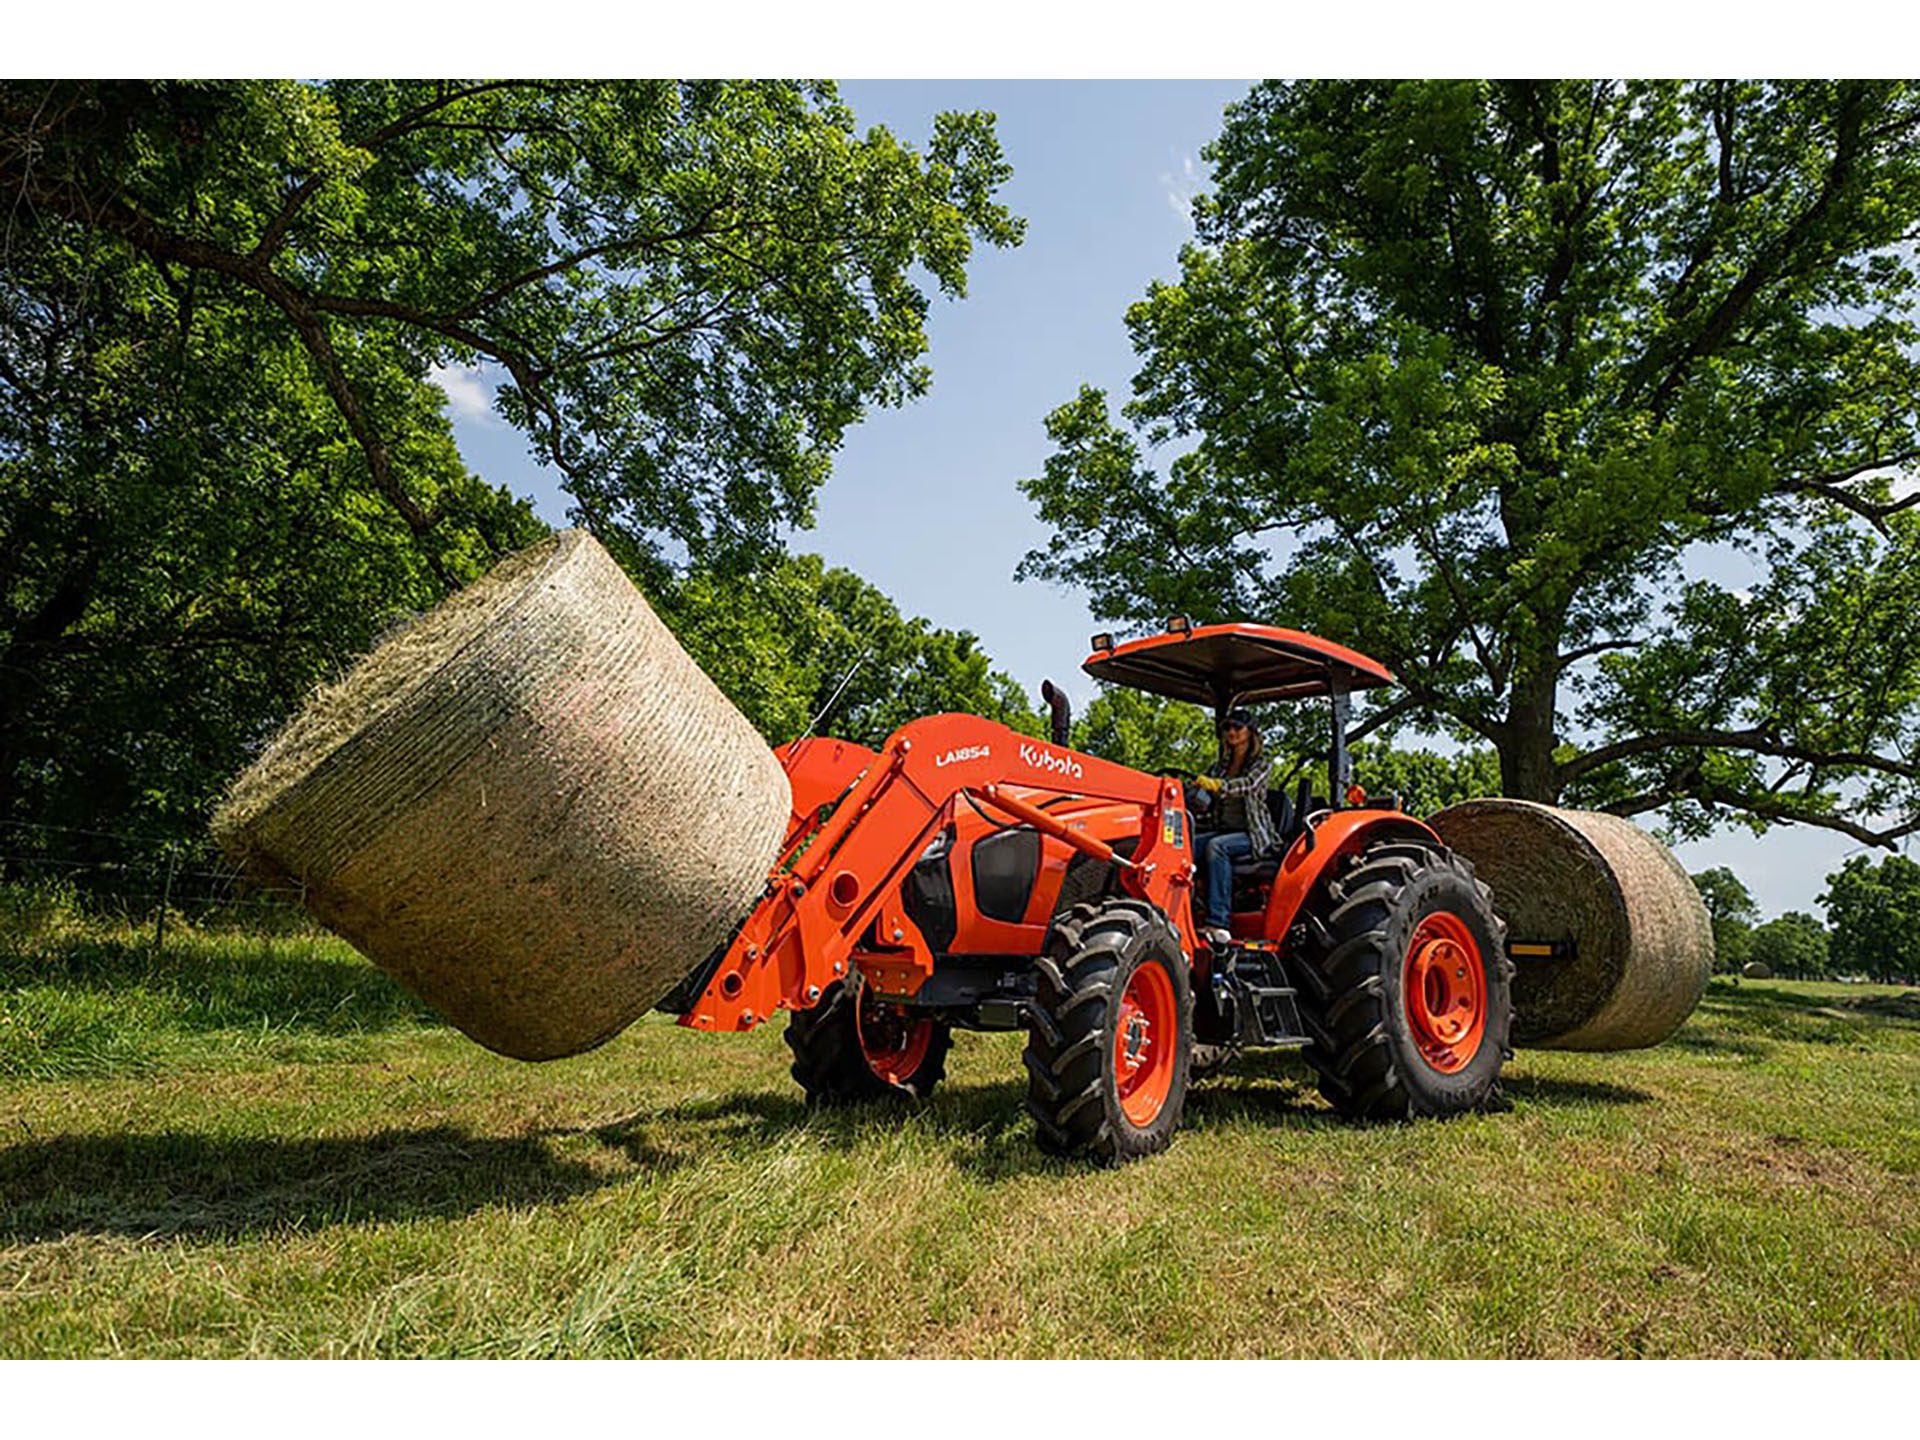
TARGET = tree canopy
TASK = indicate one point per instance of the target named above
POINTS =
(1478, 376)
(187, 545)
(693, 288)
(1731, 908)
(805, 642)
(1873, 912)
(223, 470)
(1792, 944)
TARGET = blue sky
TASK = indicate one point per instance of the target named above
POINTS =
(924, 501)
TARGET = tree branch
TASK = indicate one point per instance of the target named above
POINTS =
(1586, 652)
(1766, 808)
(1756, 741)
(1773, 257)
(1831, 487)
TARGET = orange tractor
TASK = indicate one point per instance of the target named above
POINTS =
(970, 876)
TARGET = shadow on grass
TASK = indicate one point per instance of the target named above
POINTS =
(1877, 1005)
(1543, 1090)
(983, 1127)
(169, 1184)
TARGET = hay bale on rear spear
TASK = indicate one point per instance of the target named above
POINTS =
(530, 806)
(1634, 942)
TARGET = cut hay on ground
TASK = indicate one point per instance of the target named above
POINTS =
(530, 806)
(1643, 947)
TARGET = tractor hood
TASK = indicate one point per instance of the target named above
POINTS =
(1221, 665)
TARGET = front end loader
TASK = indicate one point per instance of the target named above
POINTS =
(967, 876)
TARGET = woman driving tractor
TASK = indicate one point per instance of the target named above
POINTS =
(1241, 824)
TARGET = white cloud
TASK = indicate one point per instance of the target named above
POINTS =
(469, 391)
(1181, 189)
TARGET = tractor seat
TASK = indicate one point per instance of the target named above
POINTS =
(1289, 814)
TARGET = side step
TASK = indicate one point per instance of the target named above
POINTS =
(1254, 1000)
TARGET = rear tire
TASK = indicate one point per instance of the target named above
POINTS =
(851, 1047)
(1112, 1033)
(1407, 989)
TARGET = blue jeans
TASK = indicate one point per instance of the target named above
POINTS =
(1217, 854)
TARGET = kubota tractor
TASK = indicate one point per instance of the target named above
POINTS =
(969, 876)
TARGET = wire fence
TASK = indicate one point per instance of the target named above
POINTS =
(135, 877)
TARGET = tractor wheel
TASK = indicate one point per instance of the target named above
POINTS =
(1111, 1033)
(853, 1046)
(1407, 989)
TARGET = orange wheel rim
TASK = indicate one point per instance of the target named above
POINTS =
(1444, 989)
(1144, 1044)
(893, 1042)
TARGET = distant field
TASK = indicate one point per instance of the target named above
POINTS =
(261, 1147)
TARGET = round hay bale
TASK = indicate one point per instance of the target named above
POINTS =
(1754, 970)
(1642, 943)
(529, 806)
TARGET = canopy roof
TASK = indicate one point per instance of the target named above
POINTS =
(1222, 665)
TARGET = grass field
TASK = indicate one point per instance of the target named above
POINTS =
(255, 1146)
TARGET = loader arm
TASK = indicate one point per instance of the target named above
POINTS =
(833, 900)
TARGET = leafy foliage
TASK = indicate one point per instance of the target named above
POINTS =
(1792, 944)
(802, 640)
(1471, 374)
(186, 546)
(693, 288)
(222, 471)
(1146, 732)
(1873, 909)
(1425, 780)
(1731, 908)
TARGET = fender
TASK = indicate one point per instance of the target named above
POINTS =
(1315, 853)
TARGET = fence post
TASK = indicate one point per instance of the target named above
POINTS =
(166, 898)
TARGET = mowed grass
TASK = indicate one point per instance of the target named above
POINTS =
(254, 1146)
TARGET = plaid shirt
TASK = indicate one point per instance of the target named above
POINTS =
(1251, 787)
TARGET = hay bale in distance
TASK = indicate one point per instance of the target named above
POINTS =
(1643, 945)
(1754, 970)
(530, 806)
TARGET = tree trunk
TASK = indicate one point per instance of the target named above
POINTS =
(1526, 741)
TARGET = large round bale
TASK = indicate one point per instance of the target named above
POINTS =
(1755, 970)
(1641, 945)
(530, 806)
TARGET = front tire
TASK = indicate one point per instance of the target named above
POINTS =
(853, 1047)
(1408, 992)
(1111, 1041)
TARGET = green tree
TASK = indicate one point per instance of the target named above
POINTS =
(1147, 732)
(801, 640)
(186, 548)
(693, 288)
(1499, 359)
(1792, 944)
(1731, 908)
(1425, 780)
(221, 471)
(1873, 913)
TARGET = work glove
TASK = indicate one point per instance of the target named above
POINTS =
(1210, 783)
